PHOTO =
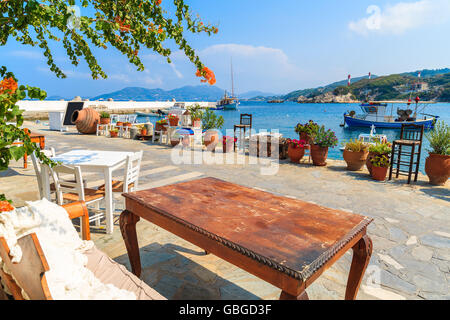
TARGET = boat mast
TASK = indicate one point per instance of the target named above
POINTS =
(232, 79)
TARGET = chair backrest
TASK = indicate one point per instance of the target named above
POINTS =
(246, 119)
(412, 131)
(37, 168)
(132, 170)
(67, 180)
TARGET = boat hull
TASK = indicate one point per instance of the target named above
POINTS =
(231, 106)
(355, 122)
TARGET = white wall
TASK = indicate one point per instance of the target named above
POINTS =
(61, 105)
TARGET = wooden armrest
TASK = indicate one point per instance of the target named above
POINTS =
(79, 210)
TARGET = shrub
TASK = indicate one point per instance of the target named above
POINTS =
(325, 138)
(381, 148)
(356, 146)
(105, 115)
(381, 161)
(439, 139)
(310, 128)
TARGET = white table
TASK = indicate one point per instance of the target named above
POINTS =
(93, 161)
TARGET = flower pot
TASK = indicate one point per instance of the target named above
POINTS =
(319, 155)
(379, 173)
(355, 160)
(119, 123)
(127, 124)
(197, 123)
(160, 127)
(372, 155)
(86, 120)
(113, 134)
(133, 133)
(173, 122)
(143, 132)
(105, 120)
(437, 167)
(211, 140)
(174, 142)
(306, 137)
(296, 154)
(228, 147)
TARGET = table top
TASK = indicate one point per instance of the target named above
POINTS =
(92, 158)
(293, 236)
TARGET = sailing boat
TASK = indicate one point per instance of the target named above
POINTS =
(229, 102)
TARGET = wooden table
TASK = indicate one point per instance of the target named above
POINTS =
(286, 242)
(35, 138)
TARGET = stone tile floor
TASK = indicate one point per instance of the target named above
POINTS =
(410, 232)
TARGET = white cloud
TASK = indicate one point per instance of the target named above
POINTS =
(402, 16)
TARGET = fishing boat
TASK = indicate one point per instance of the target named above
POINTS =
(158, 114)
(228, 102)
(379, 115)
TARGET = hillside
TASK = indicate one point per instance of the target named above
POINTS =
(187, 93)
(433, 85)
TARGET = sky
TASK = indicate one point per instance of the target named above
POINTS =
(275, 46)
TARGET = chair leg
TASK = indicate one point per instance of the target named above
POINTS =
(411, 163)
(399, 158)
(392, 162)
(417, 166)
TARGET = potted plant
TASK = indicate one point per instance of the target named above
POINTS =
(105, 117)
(196, 115)
(113, 133)
(143, 131)
(173, 120)
(377, 149)
(161, 125)
(228, 143)
(380, 167)
(119, 123)
(322, 140)
(437, 165)
(355, 154)
(127, 124)
(210, 123)
(296, 150)
(307, 130)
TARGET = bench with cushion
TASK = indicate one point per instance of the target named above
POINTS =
(27, 279)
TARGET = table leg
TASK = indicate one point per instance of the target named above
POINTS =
(109, 201)
(362, 251)
(128, 222)
(286, 296)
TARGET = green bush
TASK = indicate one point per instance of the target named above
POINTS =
(439, 138)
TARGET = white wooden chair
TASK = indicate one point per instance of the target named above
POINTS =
(73, 190)
(131, 177)
(37, 169)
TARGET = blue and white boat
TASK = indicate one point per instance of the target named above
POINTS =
(379, 115)
(229, 102)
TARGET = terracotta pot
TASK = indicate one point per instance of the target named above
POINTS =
(372, 155)
(105, 120)
(174, 143)
(379, 173)
(211, 140)
(119, 123)
(173, 122)
(143, 132)
(127, 124)
(306, 137)
(197, 123)
(437, 167)
(114, 134)
(160, 127)
(319, 155)
(355, 160)
(296, 154)
(86, 120)
(228, 147)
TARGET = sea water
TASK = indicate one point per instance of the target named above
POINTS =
(285, 116)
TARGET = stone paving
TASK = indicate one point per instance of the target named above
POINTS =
(410, 232)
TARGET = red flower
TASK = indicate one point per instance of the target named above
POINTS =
(207, 74)
(5, 206)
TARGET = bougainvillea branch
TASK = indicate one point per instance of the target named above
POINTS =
(126, 25)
